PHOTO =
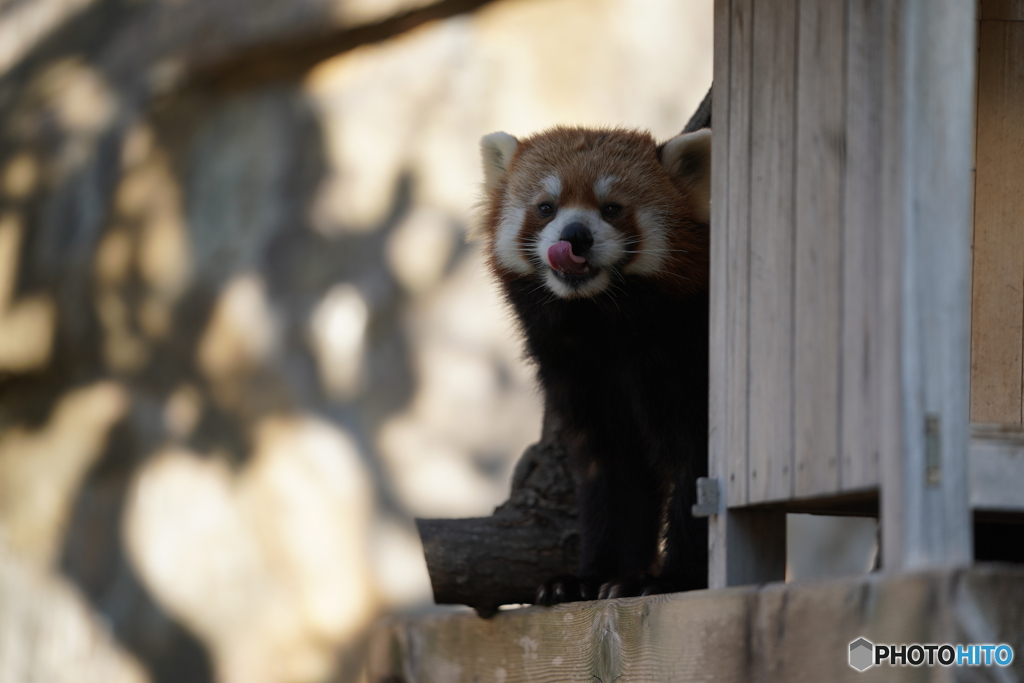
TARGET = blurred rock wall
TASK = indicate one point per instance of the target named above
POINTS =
(243, 340)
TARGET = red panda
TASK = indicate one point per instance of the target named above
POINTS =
(600, 241)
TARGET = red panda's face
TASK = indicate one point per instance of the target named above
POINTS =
(582, 209)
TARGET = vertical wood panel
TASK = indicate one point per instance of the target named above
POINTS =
(926, 520)
(891, 441)
(745, 545)
(820, 142)
(773, 103)
(719, 437)
(997, 328)
(737, 258)
(861, 381)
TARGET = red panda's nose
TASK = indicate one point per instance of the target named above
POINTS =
(579, 236)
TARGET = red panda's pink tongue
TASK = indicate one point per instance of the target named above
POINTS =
(561, 258)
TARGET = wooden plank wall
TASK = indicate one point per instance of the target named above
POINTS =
(841, 259)
(997, 329)
(797, 308)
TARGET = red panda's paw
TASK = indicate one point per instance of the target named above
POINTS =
(633, 585)
(566, 588)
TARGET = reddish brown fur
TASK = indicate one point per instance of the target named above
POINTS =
(580, 157)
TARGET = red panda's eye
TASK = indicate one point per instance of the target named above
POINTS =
(611, 210)
(546, 209)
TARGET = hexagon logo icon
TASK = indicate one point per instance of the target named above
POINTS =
(862, 653)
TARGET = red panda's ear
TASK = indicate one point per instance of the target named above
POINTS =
(687, 158)
(497, 150)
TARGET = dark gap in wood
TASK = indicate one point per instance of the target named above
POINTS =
(862, 503)
(998, 537)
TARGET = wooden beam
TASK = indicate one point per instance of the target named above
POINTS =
(730, 245)
(997, 469)
(719, 452)
(927, 143)
(797, 633)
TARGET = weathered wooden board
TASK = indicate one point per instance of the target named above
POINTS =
(772, 158)
(745, 547)
(997, 329)
(781, 632)
(637, 639)
(719, 432)
(820, 143)
(862, 295)
(799, 629)
(732, 417)
(890, 305)
(929, 152)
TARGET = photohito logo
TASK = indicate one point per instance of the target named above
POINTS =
(861, 653)
(865, 654)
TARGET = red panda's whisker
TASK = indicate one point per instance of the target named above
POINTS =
(655, 251)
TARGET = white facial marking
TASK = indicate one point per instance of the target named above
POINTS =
(552, 185)
(650, 258)
(606, 251)
(506, 240)
(591, 287)
(603, 187)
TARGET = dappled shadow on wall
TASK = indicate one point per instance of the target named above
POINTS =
(196, 407)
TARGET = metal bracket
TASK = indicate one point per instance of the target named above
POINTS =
(932, 452)
(708, 497)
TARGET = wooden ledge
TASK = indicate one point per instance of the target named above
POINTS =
(777, 632)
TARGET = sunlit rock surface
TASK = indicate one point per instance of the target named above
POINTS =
(270, 565)
(243, 340)
(41, 469)
(49, 633)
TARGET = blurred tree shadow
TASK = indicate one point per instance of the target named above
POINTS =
(298, 266)
(251, 217)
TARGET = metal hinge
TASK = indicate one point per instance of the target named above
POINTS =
(932, 451)
(708, 497)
